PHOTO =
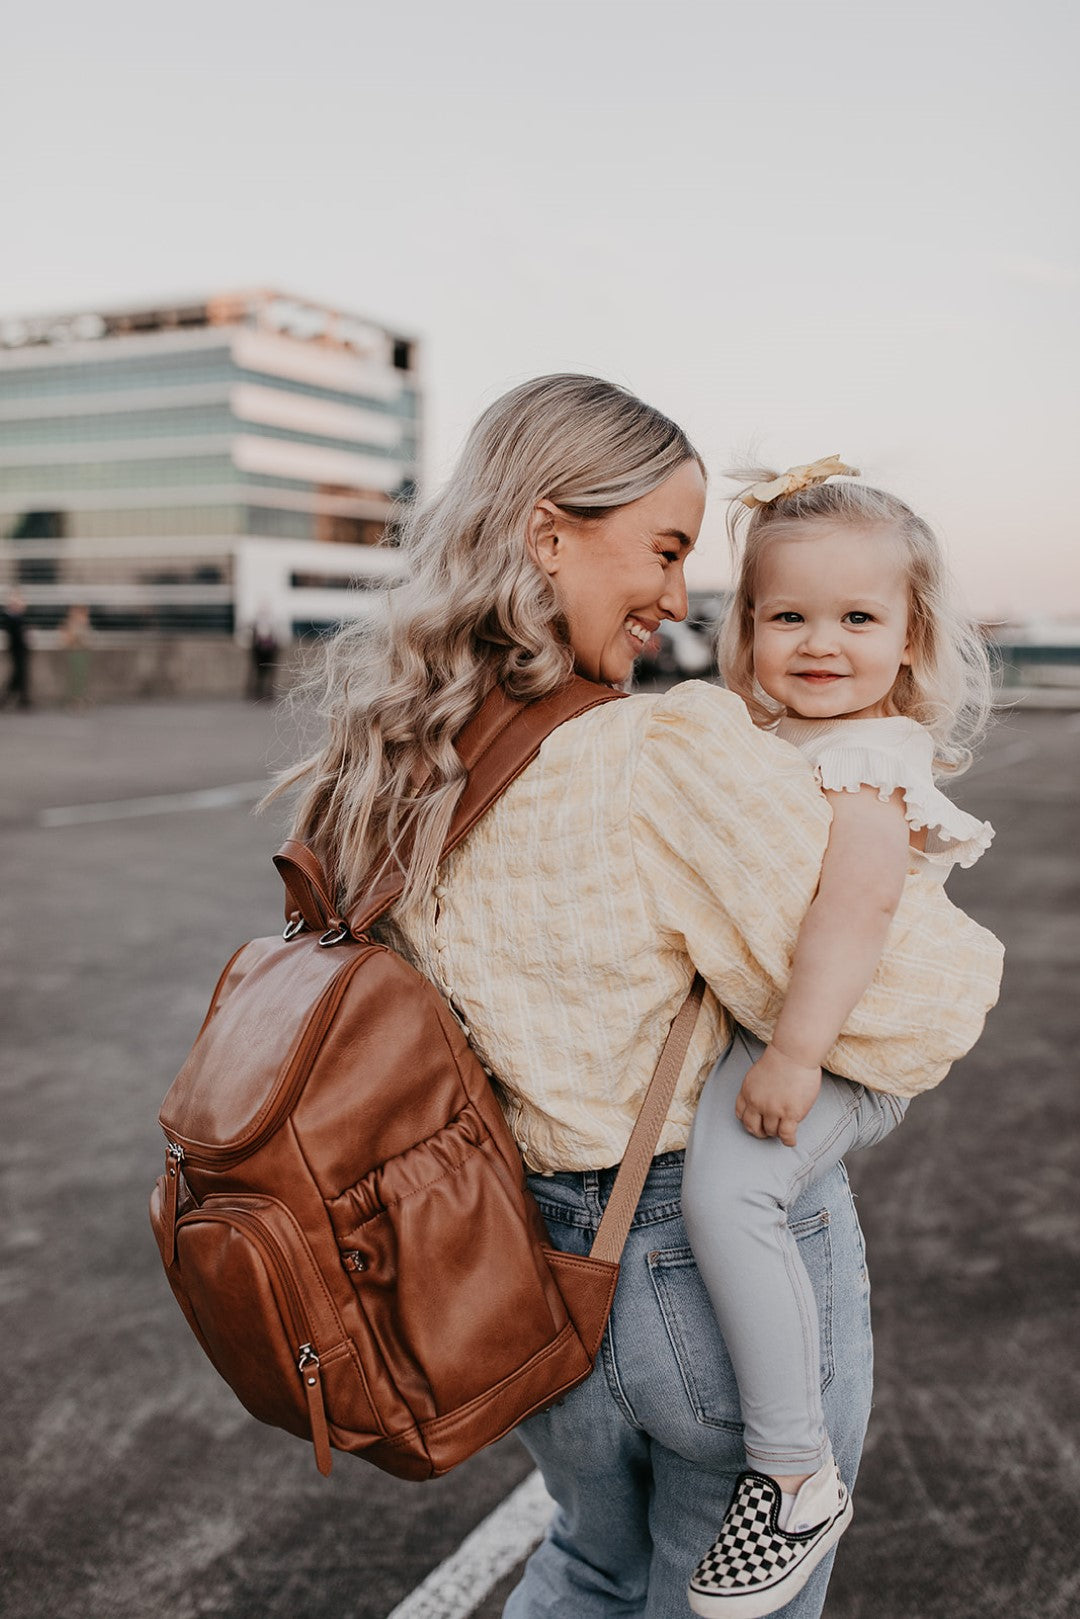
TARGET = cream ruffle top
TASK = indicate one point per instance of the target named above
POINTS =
(892, 753)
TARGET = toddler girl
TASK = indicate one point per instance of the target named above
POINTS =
(840, 635)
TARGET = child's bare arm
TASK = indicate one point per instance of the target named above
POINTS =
(837, 951)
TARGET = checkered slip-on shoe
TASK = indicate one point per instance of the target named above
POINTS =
(753, 1567)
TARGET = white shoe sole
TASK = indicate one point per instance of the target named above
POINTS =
(766, 1600)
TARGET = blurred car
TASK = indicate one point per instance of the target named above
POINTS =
(676, 649)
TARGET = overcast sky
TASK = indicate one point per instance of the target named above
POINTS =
(799, 228)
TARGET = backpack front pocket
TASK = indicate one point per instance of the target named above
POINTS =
(249, 1281)
(445, 1255)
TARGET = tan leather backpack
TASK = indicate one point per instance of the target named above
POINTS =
(343, 1216)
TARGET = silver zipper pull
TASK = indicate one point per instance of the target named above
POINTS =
(308, 1366)
(174, 1159)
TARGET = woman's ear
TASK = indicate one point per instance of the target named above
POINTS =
(542, 537)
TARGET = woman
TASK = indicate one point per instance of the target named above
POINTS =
(649, 837)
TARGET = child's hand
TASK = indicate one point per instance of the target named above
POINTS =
(776, 1095)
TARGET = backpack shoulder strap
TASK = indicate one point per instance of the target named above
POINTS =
(501, 739)
(637, 1159)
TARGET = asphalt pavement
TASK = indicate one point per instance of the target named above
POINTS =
(133, 1484)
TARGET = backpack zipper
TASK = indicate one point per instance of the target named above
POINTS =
(308, 1367)
(174, 1160)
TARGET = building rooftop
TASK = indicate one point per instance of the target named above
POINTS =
(264, 308)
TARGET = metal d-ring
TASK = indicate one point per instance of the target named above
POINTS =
(293, 928)
(335, 935)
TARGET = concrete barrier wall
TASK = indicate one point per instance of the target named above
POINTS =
(151, 666)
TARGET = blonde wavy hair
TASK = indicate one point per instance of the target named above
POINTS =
(946, 687)
(476, 610)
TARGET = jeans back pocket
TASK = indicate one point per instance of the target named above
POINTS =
(704, 1364)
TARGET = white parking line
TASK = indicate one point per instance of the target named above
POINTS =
(458, 1586)
(124, 809)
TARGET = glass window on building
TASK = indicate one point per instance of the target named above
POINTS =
(334, 529)
(278, 523)
(92, 427)
(155, 522)
(76, 476)
(109, 375)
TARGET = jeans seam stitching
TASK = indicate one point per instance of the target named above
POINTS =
(614, 1381)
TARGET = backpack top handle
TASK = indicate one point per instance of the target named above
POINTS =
(307, 901)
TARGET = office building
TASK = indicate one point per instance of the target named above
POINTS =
(175, 466)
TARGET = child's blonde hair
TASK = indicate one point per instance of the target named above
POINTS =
(946, 687)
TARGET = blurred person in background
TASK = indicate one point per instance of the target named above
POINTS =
(75, 639)
(13, 621)
(264, 655)
(650, 839)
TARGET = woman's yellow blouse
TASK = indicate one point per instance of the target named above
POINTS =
(649, 837)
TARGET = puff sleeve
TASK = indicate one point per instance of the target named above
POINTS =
(889, 754)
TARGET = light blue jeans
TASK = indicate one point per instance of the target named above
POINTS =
(642, 1458)
(737, 1194)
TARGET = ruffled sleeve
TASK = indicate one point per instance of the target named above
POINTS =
(895, 754)
(729, 831)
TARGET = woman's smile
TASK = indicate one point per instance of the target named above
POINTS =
(638, 551)
(641, 630)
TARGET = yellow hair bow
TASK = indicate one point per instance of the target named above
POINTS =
(796, 478)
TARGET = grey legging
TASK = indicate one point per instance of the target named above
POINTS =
(737, 1192)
